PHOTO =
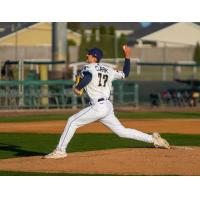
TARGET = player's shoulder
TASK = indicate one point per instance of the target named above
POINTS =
(89, 67)
(93, 67)
(86, 67)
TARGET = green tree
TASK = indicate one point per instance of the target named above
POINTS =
(83, 46)
(93, 42)
(196, 56)
(111, 42)
(70, 42)
(103, 40)
(74, 26)
(102, 32)
(121, 41)
(112, 30)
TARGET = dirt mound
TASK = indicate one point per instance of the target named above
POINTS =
(129, 161)
(182, 126)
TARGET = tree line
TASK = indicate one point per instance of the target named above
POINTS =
(196, 56)
(103, 38)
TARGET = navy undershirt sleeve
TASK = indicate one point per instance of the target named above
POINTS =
(127, 66)
(85, 81)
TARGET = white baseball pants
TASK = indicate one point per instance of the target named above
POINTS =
(103, 112)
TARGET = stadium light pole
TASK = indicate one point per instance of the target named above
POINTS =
(59, 48)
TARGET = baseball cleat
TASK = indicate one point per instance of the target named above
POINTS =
(160, 142)
(57, 153)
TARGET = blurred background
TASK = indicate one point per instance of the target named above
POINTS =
(39, 62)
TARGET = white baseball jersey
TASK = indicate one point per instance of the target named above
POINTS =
(102, 77)
(98, 88)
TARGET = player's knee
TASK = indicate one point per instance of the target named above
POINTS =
(71, 119)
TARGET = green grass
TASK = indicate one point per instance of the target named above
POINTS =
(18, 145)
(121, 115)
(33, 118)
(7, 173)
(158, 115)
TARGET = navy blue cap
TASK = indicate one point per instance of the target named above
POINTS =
(96, 52)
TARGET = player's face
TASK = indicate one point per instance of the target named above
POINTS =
(91, 59)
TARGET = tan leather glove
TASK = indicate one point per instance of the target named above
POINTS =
(75, 90)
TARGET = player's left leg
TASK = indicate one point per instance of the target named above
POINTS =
(115, 125)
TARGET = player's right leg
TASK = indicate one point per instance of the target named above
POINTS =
(114, 124)
(81, 118)
(85, 116)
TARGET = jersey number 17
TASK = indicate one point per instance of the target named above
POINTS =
(104, 77)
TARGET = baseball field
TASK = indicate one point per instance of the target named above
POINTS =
(26, 136)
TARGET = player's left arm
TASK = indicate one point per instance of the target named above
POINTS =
(78, 89)
(127, 63)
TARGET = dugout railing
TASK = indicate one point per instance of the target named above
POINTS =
(58, 94)
(125, 93)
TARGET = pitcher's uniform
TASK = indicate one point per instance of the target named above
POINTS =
(100, 109)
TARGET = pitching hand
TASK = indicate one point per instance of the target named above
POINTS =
(127, 51)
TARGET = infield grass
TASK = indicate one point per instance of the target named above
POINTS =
(121, 115)
(7, 173)
(20, 145)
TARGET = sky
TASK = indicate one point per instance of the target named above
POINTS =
(145, 24)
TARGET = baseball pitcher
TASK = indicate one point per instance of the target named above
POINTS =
(96, 79)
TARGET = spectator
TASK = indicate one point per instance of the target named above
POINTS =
(6, 71)
(154, 99)
(166, 97)
(194, 99)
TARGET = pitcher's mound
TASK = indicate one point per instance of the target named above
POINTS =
(129, 161)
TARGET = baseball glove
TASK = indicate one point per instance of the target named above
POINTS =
(77, 81)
